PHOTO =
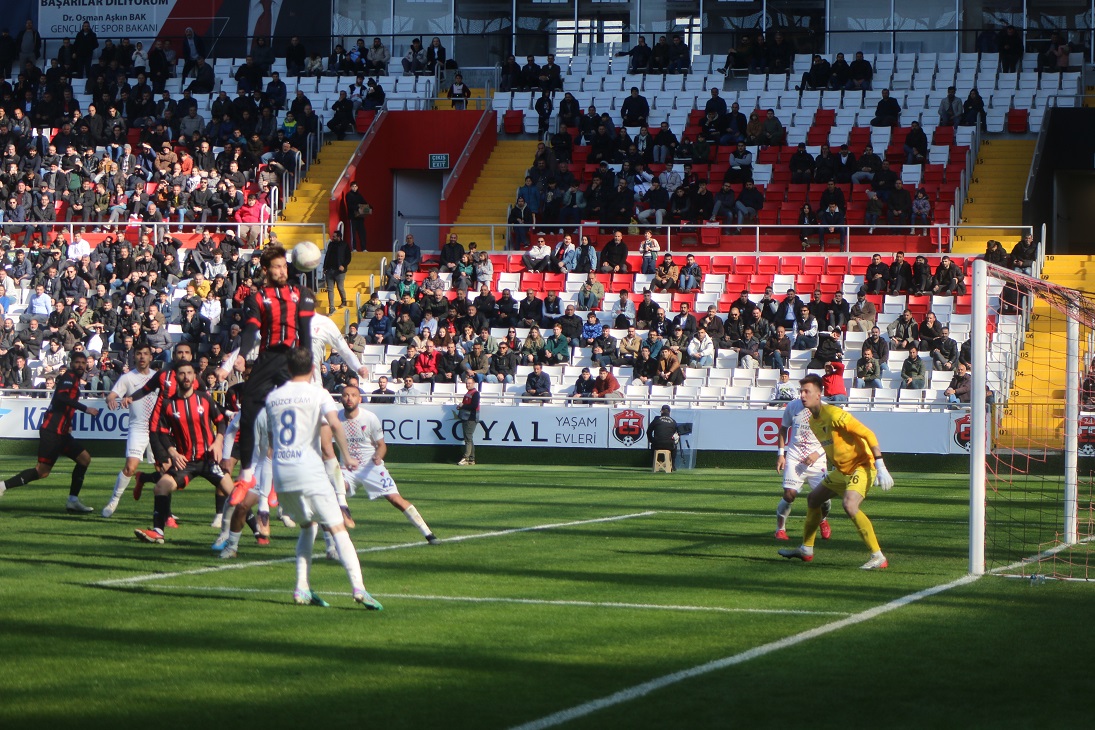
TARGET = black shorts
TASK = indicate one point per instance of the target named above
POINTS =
(207, 468)
(52, 446)
(271, 370)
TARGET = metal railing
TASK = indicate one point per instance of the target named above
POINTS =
(684, 239)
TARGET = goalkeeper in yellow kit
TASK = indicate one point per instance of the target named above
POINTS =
(855, 463)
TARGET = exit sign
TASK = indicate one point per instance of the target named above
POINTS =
(439, 162)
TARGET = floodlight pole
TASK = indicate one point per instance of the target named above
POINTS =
(978, 417)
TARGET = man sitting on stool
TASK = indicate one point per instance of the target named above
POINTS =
(663, 436)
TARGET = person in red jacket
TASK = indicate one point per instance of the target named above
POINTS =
(252, 216)
(425, 365)
(832, 381)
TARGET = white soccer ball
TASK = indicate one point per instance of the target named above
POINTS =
(306, 256)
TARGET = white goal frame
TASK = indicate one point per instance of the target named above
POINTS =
(982, 423)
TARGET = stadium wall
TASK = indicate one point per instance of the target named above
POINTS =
(1067, 145)
(405, 141)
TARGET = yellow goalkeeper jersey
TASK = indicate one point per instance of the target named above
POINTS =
(846, 441)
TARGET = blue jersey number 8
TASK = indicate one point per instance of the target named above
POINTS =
(287, 434)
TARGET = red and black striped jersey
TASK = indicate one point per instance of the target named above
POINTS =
(167, 385)
(193, 422)
(281, 314)
(65, 403)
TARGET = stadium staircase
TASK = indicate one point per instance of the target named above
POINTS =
(311, 204)
(1040, 375)
(494, 191)
(995, 197)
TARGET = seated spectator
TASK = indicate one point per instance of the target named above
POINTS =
(833, 388)
(532, 348)
(912, 371)
(591, 294)
(916, 145)
(538, 257)
(777, 349)
(944, 351)
(950, 109)
(903, 333)
(666, 274)
(922, 278)
(691, 275)
(867, 371)
(959, 391)
(583, 386)
(772, 131)
(750, 351)
(669, 367)
(806, 327)
(537, 384)
(887, 112)
(606, 386)
(701, 350)
(828, 348)
(948, 279)
(860, 73)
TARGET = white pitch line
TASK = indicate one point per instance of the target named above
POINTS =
(132, 580)
(525, 601)
(645, 688)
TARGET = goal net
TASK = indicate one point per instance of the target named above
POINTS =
(1032, 428)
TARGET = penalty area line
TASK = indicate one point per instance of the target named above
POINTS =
(521, 601)
(136, 579)
(640, 690)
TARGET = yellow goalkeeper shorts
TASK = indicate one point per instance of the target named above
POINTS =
(859, 480)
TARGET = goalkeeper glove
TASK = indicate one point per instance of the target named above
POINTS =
(882, 477)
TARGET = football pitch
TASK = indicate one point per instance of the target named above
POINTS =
(562, 596)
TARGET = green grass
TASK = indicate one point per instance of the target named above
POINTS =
(228, 648)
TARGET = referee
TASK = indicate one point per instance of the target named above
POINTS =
(278, 318)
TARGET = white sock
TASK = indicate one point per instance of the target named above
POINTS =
(226, 520)
(348, 555)
(783, 509)
(334, 474)
(233, 540)
(328, 541)
(264, 504)
(416, 519)
(120, 485)
(304, 555)
(247, 474)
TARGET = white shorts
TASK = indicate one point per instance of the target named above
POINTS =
(375, 480)
(136, 445)
(796, 473)
(305, 507)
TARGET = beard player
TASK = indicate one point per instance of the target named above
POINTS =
(366, 440)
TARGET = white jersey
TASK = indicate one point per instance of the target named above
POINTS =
(801, 441)
(362, 432)
(140, 411)
(325, 333)
(290, 423)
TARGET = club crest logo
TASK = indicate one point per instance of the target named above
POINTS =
(627, 426)
(1086, 436)
(962, 427)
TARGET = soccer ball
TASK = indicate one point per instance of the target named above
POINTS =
(306, 256)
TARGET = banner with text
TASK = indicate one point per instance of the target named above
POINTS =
(705, 429)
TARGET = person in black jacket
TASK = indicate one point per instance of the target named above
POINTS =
(663, 433)
(614, 255)
(335, 263)
(354, 201)
(887, 112)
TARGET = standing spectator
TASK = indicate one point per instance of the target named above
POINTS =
(356, 210)
(1010, 43)
(295, 56)
(459, 92)
(29, 45)
(335, 263)
(521, 219)
(468, 413)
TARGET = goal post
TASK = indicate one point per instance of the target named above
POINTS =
(1031, 497)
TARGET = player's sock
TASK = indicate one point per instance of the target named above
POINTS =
(825, 507)
(247, 474)
(348, 555)
(120, 485)
(416, 519)
(334, 474)
(24, 477)
(813, 520)
(264, 504)
(252, 522)
(219, 500)
(304, 555)
(233, 541)
(226, 520)
(866, 531)
(161, 510)
(77, 483)
(328, 543)
(783, 509)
